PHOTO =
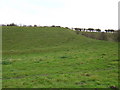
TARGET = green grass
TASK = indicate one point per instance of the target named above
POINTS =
(51, 57)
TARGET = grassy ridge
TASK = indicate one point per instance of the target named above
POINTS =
(44, 57)
(20, 38)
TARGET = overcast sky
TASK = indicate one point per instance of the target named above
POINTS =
(101, 14)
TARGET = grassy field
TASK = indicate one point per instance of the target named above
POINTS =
(51, 57)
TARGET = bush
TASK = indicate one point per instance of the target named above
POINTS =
(6, 62)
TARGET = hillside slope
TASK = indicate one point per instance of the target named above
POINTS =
(44, 57)
(26, 39)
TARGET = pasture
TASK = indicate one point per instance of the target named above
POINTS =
(54, 57)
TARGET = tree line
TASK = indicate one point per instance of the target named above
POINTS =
(76, 29)
(12, 24)
(92, 30)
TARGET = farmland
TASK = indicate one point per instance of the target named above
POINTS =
(55, 57)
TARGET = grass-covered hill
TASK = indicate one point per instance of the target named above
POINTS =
(21, 39)
(54, 57)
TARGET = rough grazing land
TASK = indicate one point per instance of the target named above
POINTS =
(51, 57)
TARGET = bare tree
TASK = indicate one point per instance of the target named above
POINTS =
(35, 25)
(90, 29)
(98, 30)
(106, 31)
(53, 26)
(110, 30)
(78, 29)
